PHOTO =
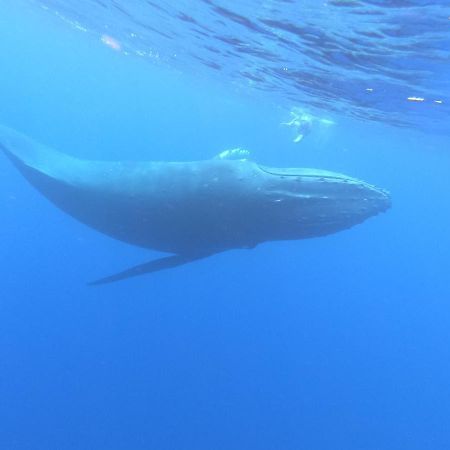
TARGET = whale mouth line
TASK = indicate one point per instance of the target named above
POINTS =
(324, 175)
(303, 174)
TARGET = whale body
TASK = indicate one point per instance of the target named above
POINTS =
(193, 209)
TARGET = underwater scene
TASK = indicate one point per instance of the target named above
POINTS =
(224, 225)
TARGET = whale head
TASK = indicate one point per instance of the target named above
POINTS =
(302, 203)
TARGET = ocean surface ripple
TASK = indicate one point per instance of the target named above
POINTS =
(370, 59)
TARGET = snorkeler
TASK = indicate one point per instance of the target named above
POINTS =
(302, 123)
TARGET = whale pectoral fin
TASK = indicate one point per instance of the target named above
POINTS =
(234, 154)
(149, 267)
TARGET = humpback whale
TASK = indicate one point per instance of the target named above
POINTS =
(193, 209)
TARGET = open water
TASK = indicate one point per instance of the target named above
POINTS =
(334, 343)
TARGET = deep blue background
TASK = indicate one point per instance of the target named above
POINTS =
(334, 343)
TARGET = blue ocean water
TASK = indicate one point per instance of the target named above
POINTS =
(340, 342)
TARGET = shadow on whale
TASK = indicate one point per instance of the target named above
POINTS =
(193, 209)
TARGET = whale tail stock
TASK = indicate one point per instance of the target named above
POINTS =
(26, 153)
(156, 265)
